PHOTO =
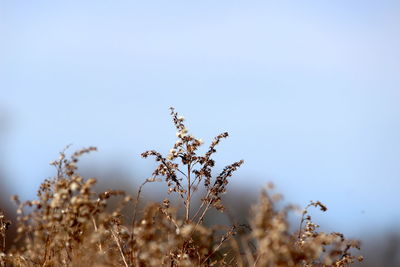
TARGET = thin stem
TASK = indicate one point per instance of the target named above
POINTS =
(204, 212)
(136, 203)
(223, 239)
(188, 200)
(119, 247)
(202, 204)
(184, 174)
(96, 230)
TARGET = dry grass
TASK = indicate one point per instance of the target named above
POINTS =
(69, 223)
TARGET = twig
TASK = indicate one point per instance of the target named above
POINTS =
(119, 247)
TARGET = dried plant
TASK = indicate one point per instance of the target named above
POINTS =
(69, 223)
(185, 177)
(276, 245)
(4, 224)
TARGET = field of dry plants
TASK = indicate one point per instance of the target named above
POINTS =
(69, 224)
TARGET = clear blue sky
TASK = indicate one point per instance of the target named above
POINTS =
(308, 91)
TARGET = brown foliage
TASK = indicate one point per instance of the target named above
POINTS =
(69, 225)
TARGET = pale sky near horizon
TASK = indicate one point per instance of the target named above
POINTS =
(309, 92)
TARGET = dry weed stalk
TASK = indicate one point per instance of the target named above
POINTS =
(185, 177)
(69, 225)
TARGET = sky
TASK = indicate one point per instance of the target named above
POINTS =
(309, 93)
